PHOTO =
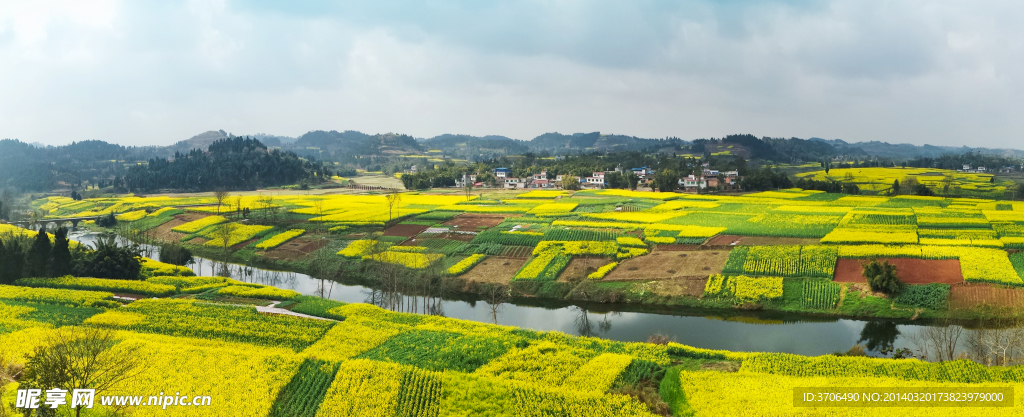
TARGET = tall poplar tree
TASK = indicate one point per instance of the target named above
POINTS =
(39, 255)
(60, 255)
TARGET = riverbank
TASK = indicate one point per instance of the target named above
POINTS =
(654, 249)
(855, 302)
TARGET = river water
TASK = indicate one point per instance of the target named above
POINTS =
(727, 330)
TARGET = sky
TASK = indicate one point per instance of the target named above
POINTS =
(156, 72)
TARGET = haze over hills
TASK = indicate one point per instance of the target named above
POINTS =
(350, 143)
(93, 161)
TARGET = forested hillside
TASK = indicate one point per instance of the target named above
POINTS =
(236, 163)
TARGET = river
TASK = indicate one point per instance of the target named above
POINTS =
(727, 330)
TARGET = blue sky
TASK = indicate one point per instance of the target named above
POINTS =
(154, 72)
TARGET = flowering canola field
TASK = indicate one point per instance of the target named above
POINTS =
(554, 227)
(361, 360)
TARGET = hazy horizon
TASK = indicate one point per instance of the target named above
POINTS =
(922, 72)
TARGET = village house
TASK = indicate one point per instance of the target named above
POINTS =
(693, 183)
(513, 183)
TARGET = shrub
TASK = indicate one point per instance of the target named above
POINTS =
(883, 277)
(175, 254)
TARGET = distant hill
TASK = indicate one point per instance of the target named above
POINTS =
(351, 142)
(332, 140)
(466, 146)
(908, 151)
(201, 141)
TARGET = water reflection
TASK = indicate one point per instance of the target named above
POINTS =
(585, 324)
(880, 336)
(399, 302)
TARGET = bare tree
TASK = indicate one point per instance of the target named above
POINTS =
(224, 231)
(82, 358)
(238, 204)
(389, 275)
(938, 342)
(220, 195)
(324, 267)
(394, 199)
(467, 188)
(584, 327)
(318, 204)
(496, 295)
(1001, 346)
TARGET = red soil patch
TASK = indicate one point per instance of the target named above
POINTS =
(973, 295)
(405, 230)
(470, 222)
(911, 271)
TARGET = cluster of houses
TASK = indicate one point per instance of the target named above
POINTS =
(1005, 169)
(713, 179)
(710, 178)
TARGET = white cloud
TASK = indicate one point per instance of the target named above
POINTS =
(936, 72)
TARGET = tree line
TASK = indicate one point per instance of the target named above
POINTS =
(233, 163)
(22, 256)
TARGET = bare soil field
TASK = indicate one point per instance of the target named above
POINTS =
(470, 222)
(670, 265)
(295, 249)
(910, 271)
(163, 232)
(495, 270)
(199, 241)
(579, 267)
(728, 240)
(688, 286)
(405, 230)
(972, 295)
(378, 181)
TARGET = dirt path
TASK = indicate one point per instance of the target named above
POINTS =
(272, 309)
